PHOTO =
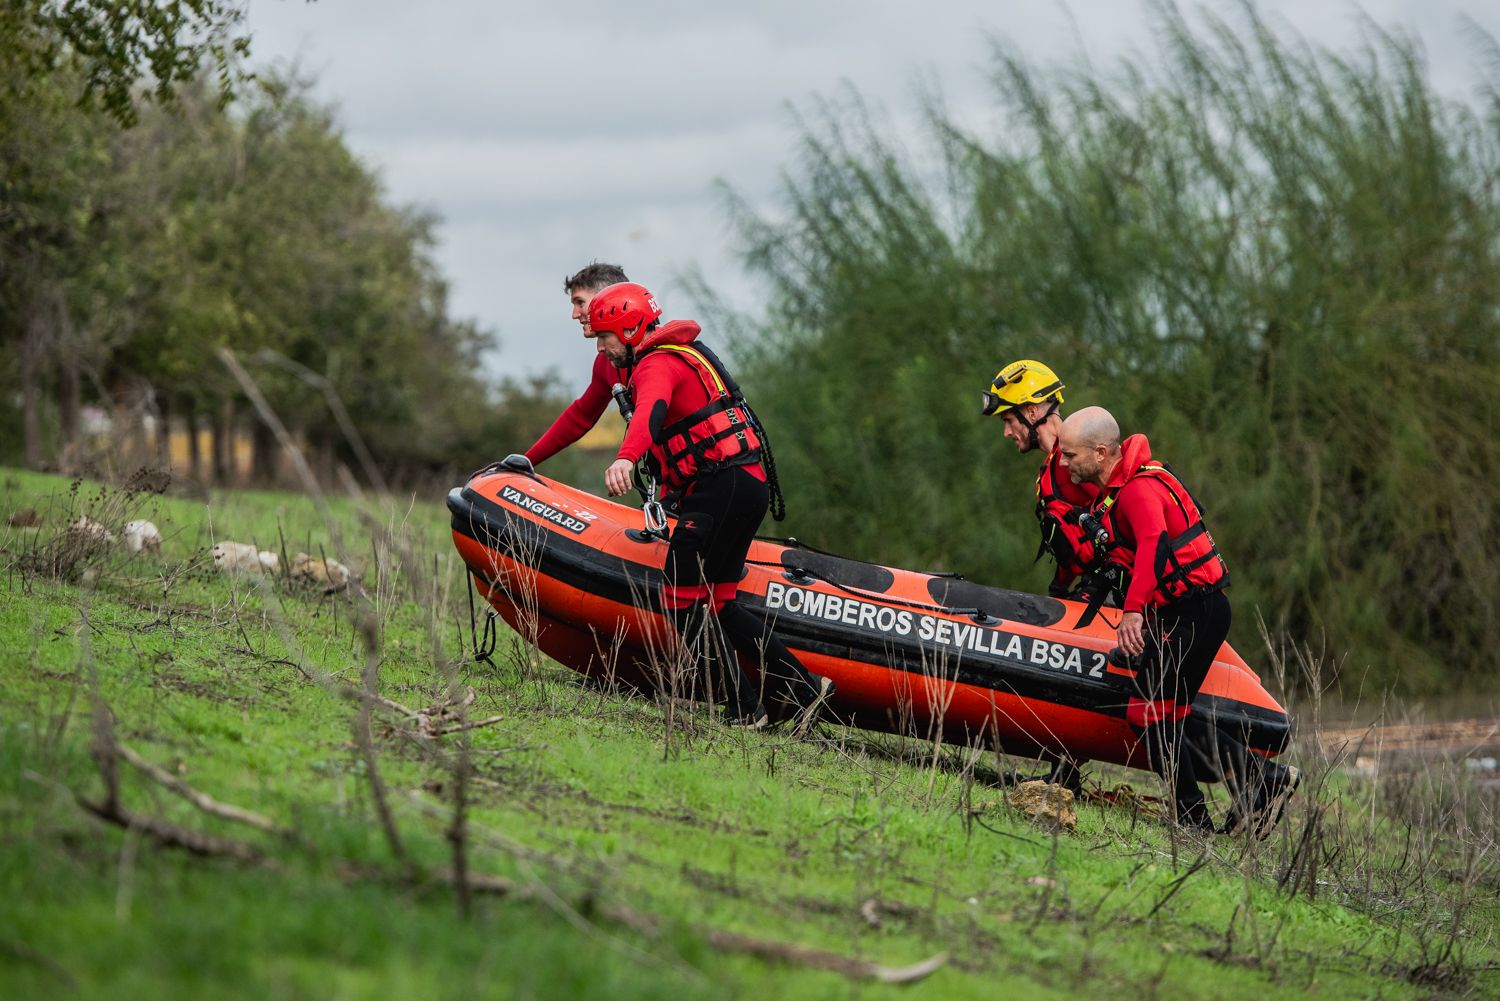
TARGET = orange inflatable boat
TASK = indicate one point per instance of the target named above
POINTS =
(917, 653)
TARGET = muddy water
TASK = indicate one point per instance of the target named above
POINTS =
(1363, 740)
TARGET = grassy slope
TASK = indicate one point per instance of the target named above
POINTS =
(586, 799)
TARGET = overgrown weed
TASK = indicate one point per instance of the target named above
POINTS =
(86, 527)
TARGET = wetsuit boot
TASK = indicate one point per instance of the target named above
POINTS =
(791, 690)
(708, 646)
(1165, 750)
(1268, 798)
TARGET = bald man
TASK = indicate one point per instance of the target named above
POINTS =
(1175, 616)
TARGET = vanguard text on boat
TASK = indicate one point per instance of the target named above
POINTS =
(909, 652)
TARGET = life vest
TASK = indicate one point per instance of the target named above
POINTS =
(1188, 564)
(719, 435)
(1062, 535)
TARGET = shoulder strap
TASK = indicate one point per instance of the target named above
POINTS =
(707, 371)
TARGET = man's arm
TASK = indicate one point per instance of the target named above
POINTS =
(580, 415)
(1140, 506)
(1070, 545)
(652, 385)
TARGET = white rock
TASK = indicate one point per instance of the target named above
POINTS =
(142, 536)
(332, 574)
(90, 529)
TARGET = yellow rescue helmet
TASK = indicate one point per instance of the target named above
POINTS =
(1024, 381)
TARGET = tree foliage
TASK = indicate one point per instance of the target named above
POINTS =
(1279, 262)
(130, 256)
(113, 47)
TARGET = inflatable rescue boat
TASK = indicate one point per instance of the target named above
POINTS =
(909, 652)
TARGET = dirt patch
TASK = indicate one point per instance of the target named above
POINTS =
(1456, 737)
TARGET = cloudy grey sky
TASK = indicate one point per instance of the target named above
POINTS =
(546, 135)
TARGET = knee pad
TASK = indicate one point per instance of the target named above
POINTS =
(723, 593)
(679, 596)
(1140, 713)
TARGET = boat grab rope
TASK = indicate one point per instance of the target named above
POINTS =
(977, 614)
(792, 542)
(483, 648)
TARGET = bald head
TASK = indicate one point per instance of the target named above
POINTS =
(1089, 445)
(1093, 426)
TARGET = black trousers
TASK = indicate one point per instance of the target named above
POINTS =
(716, 521)
(1181, 641)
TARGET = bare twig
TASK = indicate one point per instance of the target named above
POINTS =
(201, 800)
(470, 725)
(168, 834)
(367, 745)
(283, 437)
(784, 952)
(1177, 884)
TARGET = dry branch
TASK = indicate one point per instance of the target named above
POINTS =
(437, 720)
(170, 835)
(201, 800)
(785, 952)
(470, 725)
(367, 745)
(819, 959)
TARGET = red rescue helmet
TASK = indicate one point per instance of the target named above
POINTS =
(625, 310)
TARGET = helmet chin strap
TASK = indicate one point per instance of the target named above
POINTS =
(1032, 441)
(630, 350)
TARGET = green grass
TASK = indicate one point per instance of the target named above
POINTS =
(579, 798)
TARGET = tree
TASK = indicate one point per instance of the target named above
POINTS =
(58, 54)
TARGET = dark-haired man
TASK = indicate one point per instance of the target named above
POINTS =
(1026, 395)
(583, 413)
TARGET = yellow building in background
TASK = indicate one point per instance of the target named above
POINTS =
(607, 434)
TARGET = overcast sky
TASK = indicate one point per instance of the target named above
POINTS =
(546, 135)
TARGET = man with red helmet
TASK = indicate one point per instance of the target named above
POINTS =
(583, 413)
(700, 439)
(1176, 615)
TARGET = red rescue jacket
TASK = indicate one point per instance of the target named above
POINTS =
(1154, 519)
(1058, 503)
(690, 416)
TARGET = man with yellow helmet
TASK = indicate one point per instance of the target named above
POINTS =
(1026, 396)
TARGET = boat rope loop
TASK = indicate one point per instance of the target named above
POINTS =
(792, 542)
(768, 462)
(483, 648)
